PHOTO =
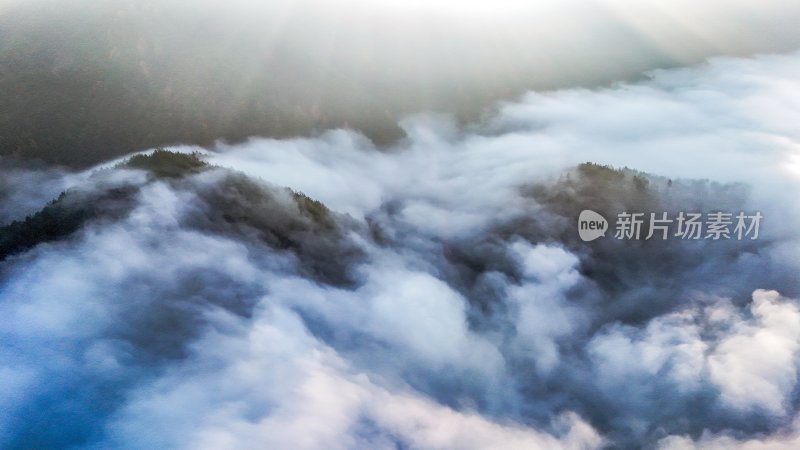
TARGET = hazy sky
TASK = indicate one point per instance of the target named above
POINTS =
(83, 80)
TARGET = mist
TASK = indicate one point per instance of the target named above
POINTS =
(84, 81)
(329, 291)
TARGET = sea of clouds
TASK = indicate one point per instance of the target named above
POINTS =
(450, 306)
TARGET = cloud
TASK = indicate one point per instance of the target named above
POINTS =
(309, 398)
(438, 297)
(728, 121)
(783, 440)
(757, 365)
(539, 306)
(711, 353)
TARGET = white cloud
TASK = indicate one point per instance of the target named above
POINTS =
(752, 362)
(756, 365)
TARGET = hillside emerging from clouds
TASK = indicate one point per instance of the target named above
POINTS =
(533, 320)
(351, 224)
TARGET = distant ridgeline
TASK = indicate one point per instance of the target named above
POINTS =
(228, 203)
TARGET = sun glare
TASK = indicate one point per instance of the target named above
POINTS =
(462, 6)
(793, 165)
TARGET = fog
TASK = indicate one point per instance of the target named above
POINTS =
(83, 81)
(438, 297)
